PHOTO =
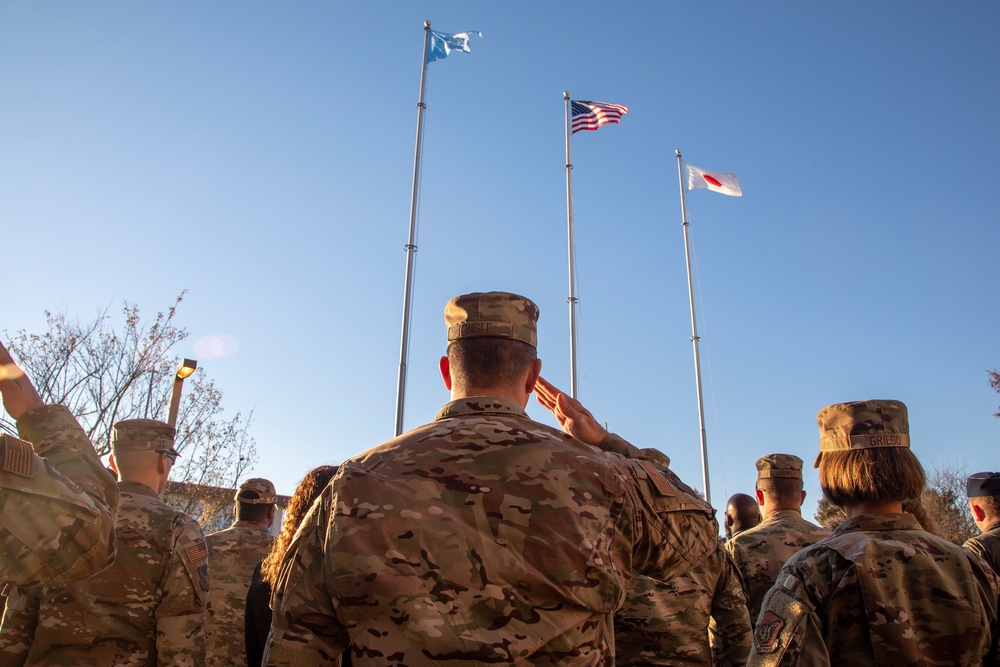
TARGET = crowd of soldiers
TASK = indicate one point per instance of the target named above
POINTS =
(487, 537)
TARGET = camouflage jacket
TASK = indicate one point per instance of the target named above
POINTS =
(698, 618)
(481, 537)
(880, 591)
(146, 609)
(232, 556)
(58, 512)
(761, 551)
(987, 546)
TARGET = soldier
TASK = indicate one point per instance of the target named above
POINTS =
(232, 555)
(983, 490)
(742, 513)
(59, 503)
(483, 536)
(146, 609)
(698, 618)
(761, 551)
(879, 591)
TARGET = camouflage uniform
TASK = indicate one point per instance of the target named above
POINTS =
(146, 609)
(880, 591)
(987, 545)
(698, 618)
(57, 513)
(232, 555)
(761, 551)
(481, 537)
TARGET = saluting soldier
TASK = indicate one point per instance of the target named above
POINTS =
(983, 490)
(482, 537)
(880, 591)
(761, 551)
(59, 503)
(146, 609)
(233, 554)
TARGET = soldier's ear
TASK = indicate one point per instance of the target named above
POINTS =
(978, 512)
(760, 496)
(445, 367)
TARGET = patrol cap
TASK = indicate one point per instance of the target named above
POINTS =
(143, 435)
(779, 466)
(983, 484)
(262, 488)
(492, 315)
(862, 425)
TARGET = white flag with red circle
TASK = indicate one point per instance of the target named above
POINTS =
(713, 180)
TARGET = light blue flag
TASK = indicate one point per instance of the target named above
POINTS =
(442, 44)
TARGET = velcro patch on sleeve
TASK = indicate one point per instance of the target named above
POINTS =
(656, 477)
(18, 456)
(196, 552)
(765, 637)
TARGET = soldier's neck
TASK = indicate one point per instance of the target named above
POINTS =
(873, 508)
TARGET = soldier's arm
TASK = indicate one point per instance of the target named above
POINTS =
(180, 616)
(305, 629)
(729, 630)
(69, 513)
(788, 631)
(18, 628)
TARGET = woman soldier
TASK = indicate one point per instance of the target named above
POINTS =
(879, 591)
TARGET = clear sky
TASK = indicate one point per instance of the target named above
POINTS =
(260, 156)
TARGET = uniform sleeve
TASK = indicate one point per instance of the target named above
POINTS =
(180, 616)
(788, 630)
(730, 633)
(18, 628)
(672, 529)
(305, 629)
(59, 511)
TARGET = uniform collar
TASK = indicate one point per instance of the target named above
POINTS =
(781, 514)
(868, 522)
(480, 405)
(136, 487)
(249, 525)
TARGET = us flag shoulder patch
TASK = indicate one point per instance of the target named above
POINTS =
(196, 552)
(18, 456)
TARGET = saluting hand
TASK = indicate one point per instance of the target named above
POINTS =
(19, 395)
(574, 419)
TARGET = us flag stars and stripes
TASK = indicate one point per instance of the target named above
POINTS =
(592, 115)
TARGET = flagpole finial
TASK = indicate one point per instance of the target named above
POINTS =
(565, 94)
(427, 24)
(677, 151)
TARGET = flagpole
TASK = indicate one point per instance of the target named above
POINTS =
(694, 335)
(411, 242)
(572, 300)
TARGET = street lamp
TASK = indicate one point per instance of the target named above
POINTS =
(184, 370)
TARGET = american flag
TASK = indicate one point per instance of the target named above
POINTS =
(591, 115)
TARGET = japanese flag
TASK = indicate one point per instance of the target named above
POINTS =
(714, 181)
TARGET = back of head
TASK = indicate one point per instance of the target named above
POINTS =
(865, 455)
(742, 513)
(983, 491)
(255, 499)
(305, 494)
(779, 478)
(137, 445)
(492, 340)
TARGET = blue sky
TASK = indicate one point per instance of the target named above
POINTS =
(260, 156)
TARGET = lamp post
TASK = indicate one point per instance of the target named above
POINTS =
(183, 371)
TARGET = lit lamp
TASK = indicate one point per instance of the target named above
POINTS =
(183, 371)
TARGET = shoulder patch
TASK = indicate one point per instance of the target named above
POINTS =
(18, 456)
(765, 637)
(656, 477)
(196, 552)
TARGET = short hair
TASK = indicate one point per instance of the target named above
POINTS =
(877, 475)
(489, 361)
(251, 511)
(990, 504)
(782, 490)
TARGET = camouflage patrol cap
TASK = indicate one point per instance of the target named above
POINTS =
(785, 466)
(143, 435)
(862, 425)
(262, 488)
(492, 314)
(982, 484)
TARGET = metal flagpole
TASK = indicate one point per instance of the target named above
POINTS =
(411, 242)
(572, 300)
(694, 337)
